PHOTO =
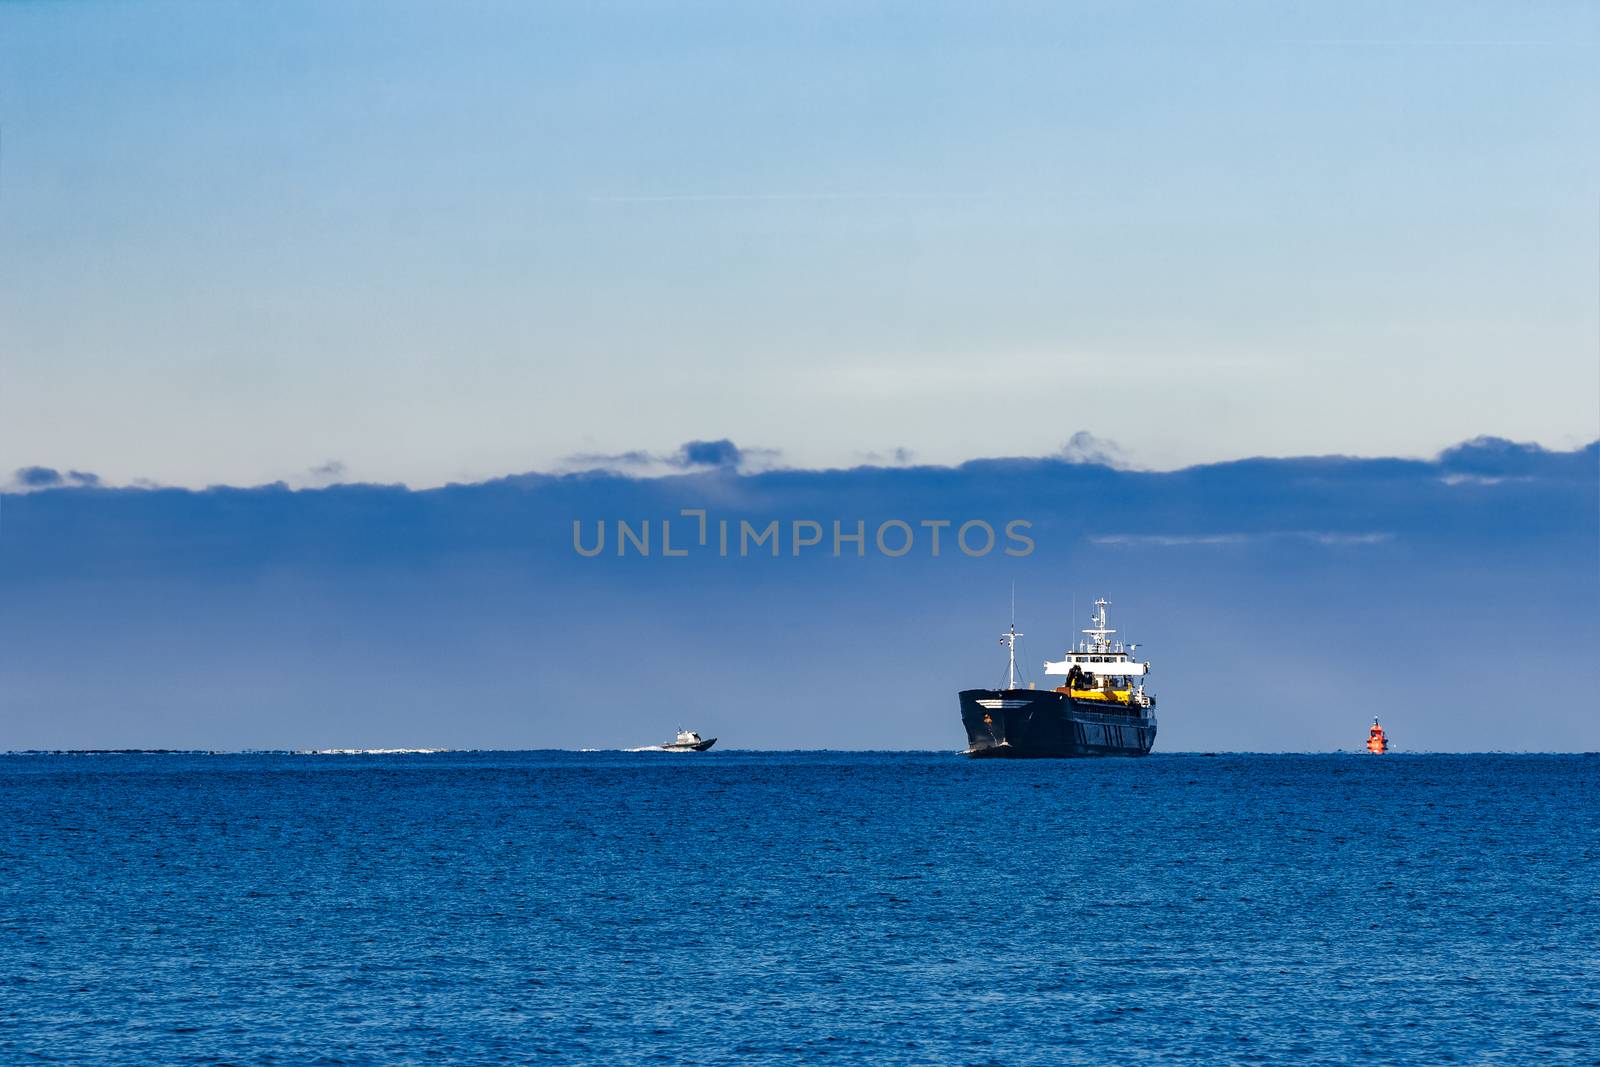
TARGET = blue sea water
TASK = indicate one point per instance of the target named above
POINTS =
(885, 908)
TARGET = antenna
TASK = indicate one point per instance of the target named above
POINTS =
(1009, 639)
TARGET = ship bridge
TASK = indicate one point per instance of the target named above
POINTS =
(1098, 654)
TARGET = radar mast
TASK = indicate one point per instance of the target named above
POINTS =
(1098, 633)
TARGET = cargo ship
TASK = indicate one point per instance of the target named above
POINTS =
(1100, 708)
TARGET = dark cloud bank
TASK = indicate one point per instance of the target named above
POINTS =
(1283, 601)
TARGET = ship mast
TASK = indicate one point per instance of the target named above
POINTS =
(1009, 639)
(1098, 631)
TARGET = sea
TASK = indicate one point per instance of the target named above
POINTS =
(798, 907)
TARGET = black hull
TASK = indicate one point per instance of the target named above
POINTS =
(1043, 724)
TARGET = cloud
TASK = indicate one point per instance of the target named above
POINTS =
(1487, 460)
(37, 477)
(1085, 447)
(780, 197)
(894, 457)
(1471, 479)
(720, 454)
(622, 462)
(1170, 540)
(1320, 537)
(473, 596)
(1323, 537)
(328, 473)
(50, 478)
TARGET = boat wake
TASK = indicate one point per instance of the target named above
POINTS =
(368, 751)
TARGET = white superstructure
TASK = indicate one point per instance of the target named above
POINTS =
(1099, 656)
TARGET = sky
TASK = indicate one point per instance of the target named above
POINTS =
(322, 323)
(1281, 602)
(424, 243)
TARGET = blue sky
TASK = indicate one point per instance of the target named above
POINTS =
(472, 271)
(435, 242)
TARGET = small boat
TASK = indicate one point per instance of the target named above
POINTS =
(1377, 741)
(689, 741)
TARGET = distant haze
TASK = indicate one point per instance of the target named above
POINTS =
(1283, 604)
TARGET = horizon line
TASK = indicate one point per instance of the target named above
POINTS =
(719, 753)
